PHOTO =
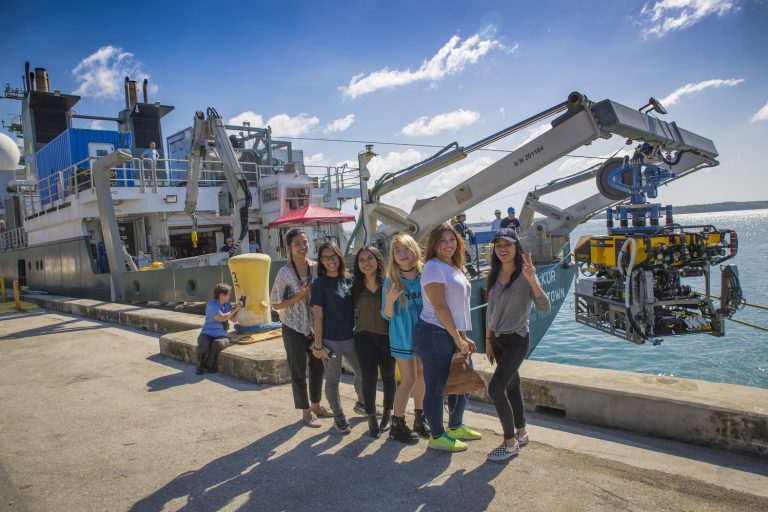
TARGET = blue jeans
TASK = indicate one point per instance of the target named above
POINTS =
(435, 347)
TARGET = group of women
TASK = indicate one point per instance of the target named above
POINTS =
(414, 313)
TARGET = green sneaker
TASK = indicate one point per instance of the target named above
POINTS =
(464, 432)
(447, 444)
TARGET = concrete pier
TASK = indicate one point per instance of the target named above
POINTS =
(693, 411)
(94, 418)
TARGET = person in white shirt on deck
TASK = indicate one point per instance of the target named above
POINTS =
(149, 160)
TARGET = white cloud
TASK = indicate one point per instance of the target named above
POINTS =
(102, 74)
(97, 125)
(250, 117)
(760, 115)
(339, 125)
(453, 121)
(687, 89)
(451, 59)
(669, 15)
(317, 159)
(393, 161)
(282, 125)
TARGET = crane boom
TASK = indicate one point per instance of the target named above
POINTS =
(211, 133)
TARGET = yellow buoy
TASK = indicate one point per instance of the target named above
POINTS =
(250, 275)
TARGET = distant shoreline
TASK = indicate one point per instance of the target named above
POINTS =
(728, 206)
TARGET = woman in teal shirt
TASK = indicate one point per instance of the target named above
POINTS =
(402, 305)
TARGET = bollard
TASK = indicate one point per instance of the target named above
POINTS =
(16, 297)
(3, 296)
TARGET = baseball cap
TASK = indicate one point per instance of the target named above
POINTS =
(510, 235)
(229, 240)
(510, 210)
(497, 211)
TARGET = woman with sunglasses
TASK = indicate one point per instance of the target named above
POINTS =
(333, 309)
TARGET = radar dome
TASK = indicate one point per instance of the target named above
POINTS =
(9, 153)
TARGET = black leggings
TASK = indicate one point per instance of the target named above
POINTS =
(298, 349)
(374, 356)
(504, 389)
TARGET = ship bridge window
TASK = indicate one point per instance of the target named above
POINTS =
(270, 194)
(297, 198)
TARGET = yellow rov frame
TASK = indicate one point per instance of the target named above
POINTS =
(632, 288)
(602, 251)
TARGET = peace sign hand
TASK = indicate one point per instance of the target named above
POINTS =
(392, 294)
(529, 270)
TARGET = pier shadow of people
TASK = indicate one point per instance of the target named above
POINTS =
(317, 474)
(186, 376)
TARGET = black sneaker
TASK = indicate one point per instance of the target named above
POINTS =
(341, 425)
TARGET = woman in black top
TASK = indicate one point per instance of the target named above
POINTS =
(372, 337)
(333, 309)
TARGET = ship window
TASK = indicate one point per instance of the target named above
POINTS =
(41, 265)
(270, 194)
(297, 198)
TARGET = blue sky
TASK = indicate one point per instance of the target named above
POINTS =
(420, 73)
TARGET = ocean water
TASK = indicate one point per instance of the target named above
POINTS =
(740, 357)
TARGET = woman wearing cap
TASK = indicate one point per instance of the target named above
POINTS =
(442, 330)
(512, 285)
(290, 298)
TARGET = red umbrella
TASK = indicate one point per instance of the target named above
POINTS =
(312, 215)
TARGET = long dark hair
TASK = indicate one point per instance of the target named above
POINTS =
(321, 271)
(434, 238)
(493, 274)
(359, 283)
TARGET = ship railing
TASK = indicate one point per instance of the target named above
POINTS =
(147, 175)
(13, 239)
(334, 178)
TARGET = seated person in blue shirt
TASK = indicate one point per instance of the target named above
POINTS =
(213, 338)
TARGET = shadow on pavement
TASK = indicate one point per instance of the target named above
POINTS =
(319, 475)
(741, 461)
(186, 376)
(57, 328)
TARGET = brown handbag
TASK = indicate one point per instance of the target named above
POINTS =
(462, 378)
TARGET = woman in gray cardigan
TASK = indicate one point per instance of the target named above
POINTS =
(512, 285)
